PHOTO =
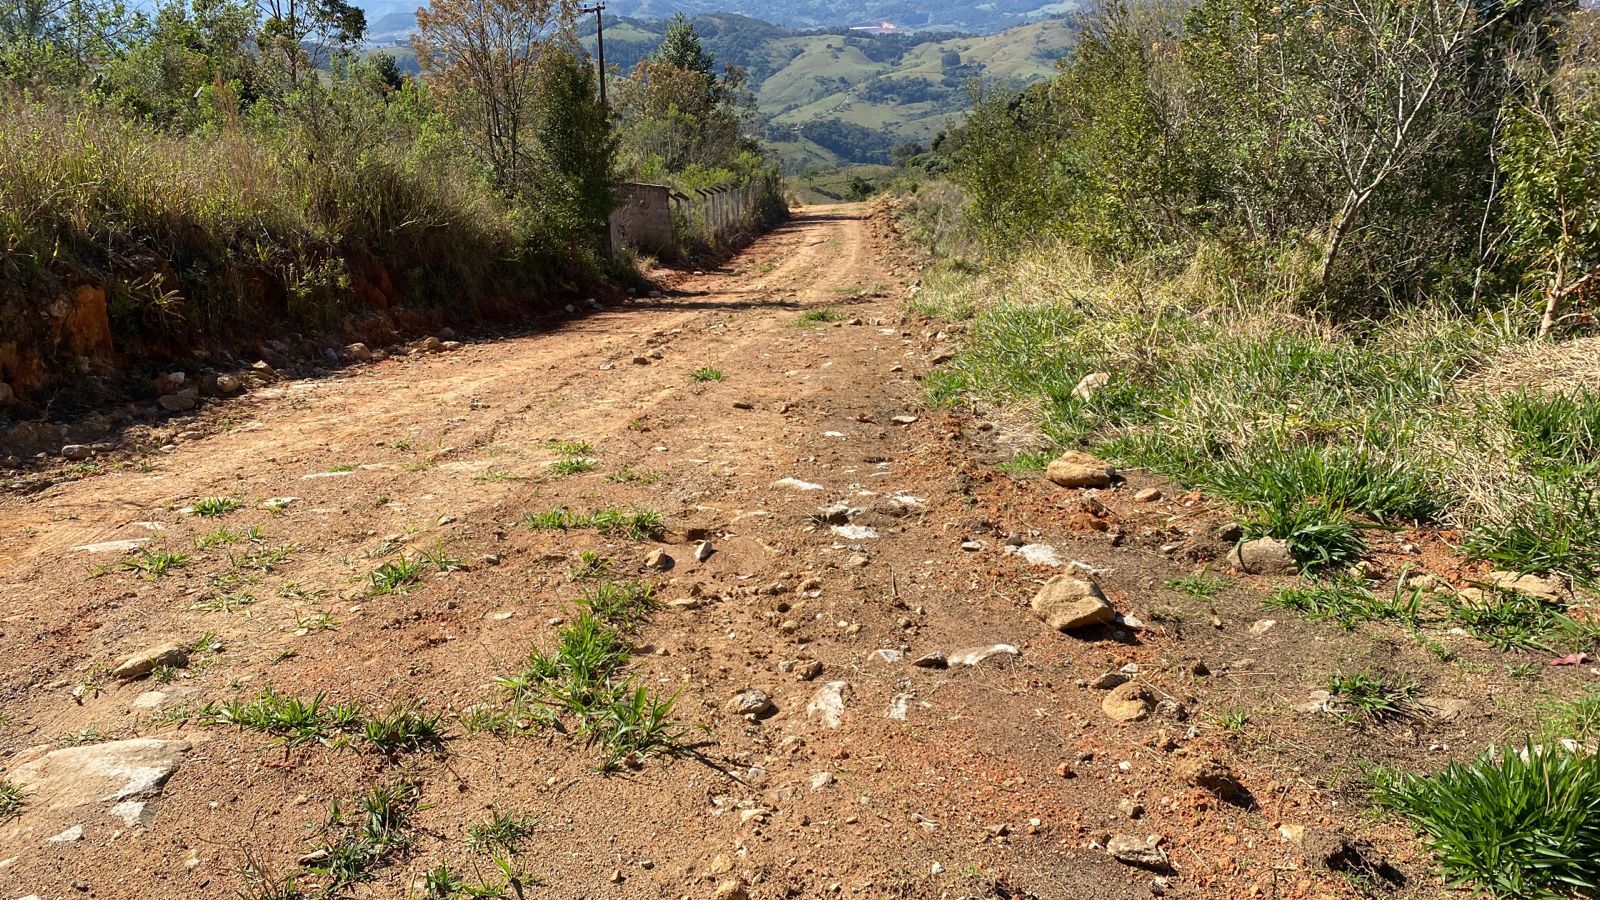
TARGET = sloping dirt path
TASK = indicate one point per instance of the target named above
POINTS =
(1001, 779)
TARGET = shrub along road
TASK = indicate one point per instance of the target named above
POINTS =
(689, 597)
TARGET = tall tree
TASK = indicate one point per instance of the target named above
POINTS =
(481, 57)
(299, 35)
(681, 48)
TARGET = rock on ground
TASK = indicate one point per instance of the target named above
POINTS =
(121, 774)
(1264, 556)
(1128, 702)
(1065, 603)
(145, 661)
(827, 705)
(993, 654)
(1145, 853)
(1076, 469)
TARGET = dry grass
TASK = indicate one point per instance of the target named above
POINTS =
(1229, 386)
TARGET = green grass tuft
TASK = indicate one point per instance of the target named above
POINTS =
(1512, 826)
(1371, 697)
(813, 317)
(154, 564)
(707, 373)
(11, 800)
(211, 507)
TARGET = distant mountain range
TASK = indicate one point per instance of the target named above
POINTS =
(389, 20)
(949, 15)
(839, 96)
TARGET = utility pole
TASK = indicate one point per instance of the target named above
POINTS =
(600, 43)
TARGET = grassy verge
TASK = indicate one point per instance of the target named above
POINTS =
(219, 237)
(1322, 435)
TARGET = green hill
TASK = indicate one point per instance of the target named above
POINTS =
(842, 97)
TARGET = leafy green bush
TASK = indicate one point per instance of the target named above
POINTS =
(1520, 825)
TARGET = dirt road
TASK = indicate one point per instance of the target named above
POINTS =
(1000, 779)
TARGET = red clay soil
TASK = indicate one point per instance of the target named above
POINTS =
(1004, 779)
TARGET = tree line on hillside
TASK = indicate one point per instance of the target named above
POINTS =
(1373, 151)
(211, 166)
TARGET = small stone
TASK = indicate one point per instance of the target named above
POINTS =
(1545, 587)
(932, 660)
(1108, 681)
(182, 401)
(1089, 384)
(1148, 495)
(641, 360)
(993, 654)
(1264, 556)
(1128, 702)
(1131, 808)
(144, 662)
(886, 656)
(1144, 853)
(972, 546)
(827, 706)
(228, 383)
(1076, 469)
(731, 890)
(750, 703)
(1262, 626)
(806, 670)
(702, 551)
(70, 836)
(77, 452)
(822, 780)
(904, 420)
(936, 869)
(1066, 603)
(743, 404)
(658, 559)
(358, 352)
(450, 345)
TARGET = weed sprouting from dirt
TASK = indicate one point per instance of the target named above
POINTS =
(812, 317)
(1520, 824)
(590, 566)
(395, 576)
(1577, 720)
(1233, 721)
(154, 564)
(629, 475)
(1199, 585)
(263, 559)
(707, 373)
(502, 832)
(1513, 621)
(295, 722)
(11, 800)
(223, 537)
(623, 604)
(407, 729)
(83, 737)
(1340, 599)
(576, 465)
(637, 524)
(211, 507)
(571, 448)
(580, 687)
(1373, 698)
(355, 843)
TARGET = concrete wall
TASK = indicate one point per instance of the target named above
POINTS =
(643, 219)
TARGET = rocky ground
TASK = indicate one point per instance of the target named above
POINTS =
(902, 672)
